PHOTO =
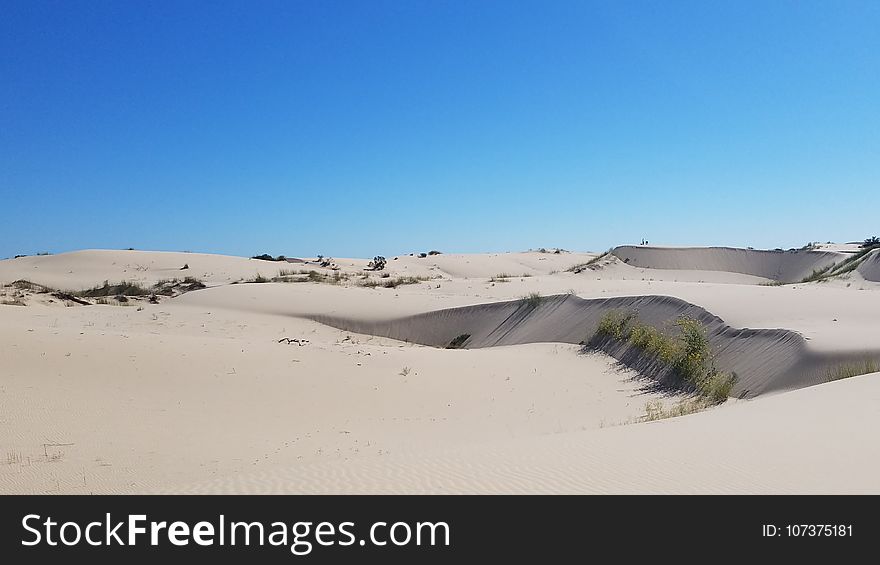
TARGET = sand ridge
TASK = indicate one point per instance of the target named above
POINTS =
(784, 266)
(765, 360)
(237, 387)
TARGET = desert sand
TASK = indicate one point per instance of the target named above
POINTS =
(341, 382)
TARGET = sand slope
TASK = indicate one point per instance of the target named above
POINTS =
(870, 267)
(137, 399)
(85, 269)
(765, 360)
(783, 266)
(810, 441)
(197, 393)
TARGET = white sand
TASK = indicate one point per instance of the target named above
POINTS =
(195, 394)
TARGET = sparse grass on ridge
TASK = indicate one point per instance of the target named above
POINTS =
(818, 274)
(836, 269)
(123, 288)
(581, 266)
(394, 282)
(655, 410)
(22, 284)
(120, 291)
(848, 370)
(335, 278)
(301, 276)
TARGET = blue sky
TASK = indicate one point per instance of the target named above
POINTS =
(360, 128)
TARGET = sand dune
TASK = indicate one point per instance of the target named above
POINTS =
(783, 266)
(809, 441)
(133, 400)
(202, 392)
(870, 268)
(765, 360)
(85, 269)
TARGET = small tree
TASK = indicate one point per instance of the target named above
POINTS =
(377, 264)
(871, 242)
(263, 257)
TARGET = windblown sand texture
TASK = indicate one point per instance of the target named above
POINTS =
(333, 382)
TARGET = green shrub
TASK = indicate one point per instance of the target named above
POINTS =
(615, 324)
(267, 257)
(688, 353)
(871, 242)
(652, 340)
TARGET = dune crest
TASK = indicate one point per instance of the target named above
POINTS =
(870, 267)
(765, 360)
(781, 266)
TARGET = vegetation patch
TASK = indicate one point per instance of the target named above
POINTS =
(302, 276)
(848, 265)
(871, 243)
(125, 288)
(22, 284)
(173, 287)
(591, 264)
(687, 354)
(848, 370)
(394, 282)
(532, 300)
(267, 257)
(377, 264)
(458, 342)
(119, 292)
(655, 410)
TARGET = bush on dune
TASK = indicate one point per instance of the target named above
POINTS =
(687, 354)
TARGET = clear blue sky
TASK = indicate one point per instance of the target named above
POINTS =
(368, 127)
